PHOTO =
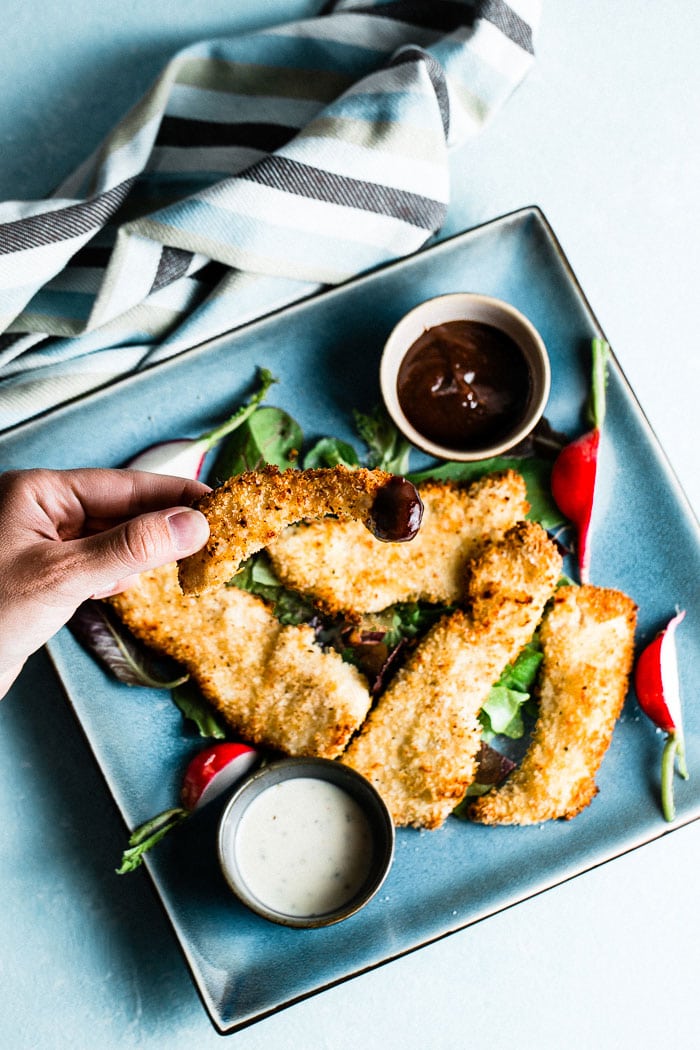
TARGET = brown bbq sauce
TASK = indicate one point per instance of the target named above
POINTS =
(464, 385)
(397, 511)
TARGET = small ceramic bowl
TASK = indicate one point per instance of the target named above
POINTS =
(306, 842)
(464, 306)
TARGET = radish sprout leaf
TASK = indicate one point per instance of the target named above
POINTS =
(195, 708)
(147, 835)
(388, 449)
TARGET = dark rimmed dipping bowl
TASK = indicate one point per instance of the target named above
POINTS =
(250, 814)
(489, 313)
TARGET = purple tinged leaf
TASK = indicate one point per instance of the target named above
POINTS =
(389, 665)
(117, 650)
(492, 766)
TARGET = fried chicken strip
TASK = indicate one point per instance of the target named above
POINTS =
(587, 639)
(419, 744)
(343, 568)
(272, 683)
(251, 509)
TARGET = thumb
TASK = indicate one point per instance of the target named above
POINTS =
(108, 558)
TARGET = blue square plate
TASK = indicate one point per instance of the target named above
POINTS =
(325, 352)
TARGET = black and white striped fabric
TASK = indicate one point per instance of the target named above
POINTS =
(257, 170)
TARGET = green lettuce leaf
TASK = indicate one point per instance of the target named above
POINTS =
(502, 713)
(213, 437)
(331, 452)
(410, 619)
(268, 435)
(188, 699)
(147, 835)
(257, 577)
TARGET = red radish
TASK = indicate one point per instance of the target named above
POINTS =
(213, 771)
(184, 457)
(658, 692)
(208, 775)
(575, 468)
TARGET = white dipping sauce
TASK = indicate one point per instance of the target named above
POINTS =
(303, 846)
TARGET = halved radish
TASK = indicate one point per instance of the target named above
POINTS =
(210, 773)
(183, 458)
(658, 692)
(213, 771)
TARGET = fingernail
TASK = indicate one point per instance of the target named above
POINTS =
(188, 528)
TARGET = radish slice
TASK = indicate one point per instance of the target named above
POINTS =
(182, 458)
(209, 774)
(669, 672)
(213, 771)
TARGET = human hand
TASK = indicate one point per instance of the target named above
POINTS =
(69, 535)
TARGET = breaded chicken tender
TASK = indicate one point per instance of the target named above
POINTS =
(419, 744)
(587, 639)
(343, 568)
(250, 509)
(273, 684)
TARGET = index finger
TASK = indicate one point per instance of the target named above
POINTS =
(113, 493)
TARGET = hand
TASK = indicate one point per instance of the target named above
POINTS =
(66, 536)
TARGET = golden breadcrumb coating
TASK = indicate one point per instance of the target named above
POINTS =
(249, 510)
(272, 683)
(419, 744)
(587, 638)
(342, 567)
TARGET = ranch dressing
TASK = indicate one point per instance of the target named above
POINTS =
(303, 847)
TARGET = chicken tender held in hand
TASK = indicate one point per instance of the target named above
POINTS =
(587, 639)
(419, 744)
(249, 510)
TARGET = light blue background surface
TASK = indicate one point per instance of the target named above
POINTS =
(603, 137)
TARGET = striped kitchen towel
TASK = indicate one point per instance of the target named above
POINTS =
(257, 170)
